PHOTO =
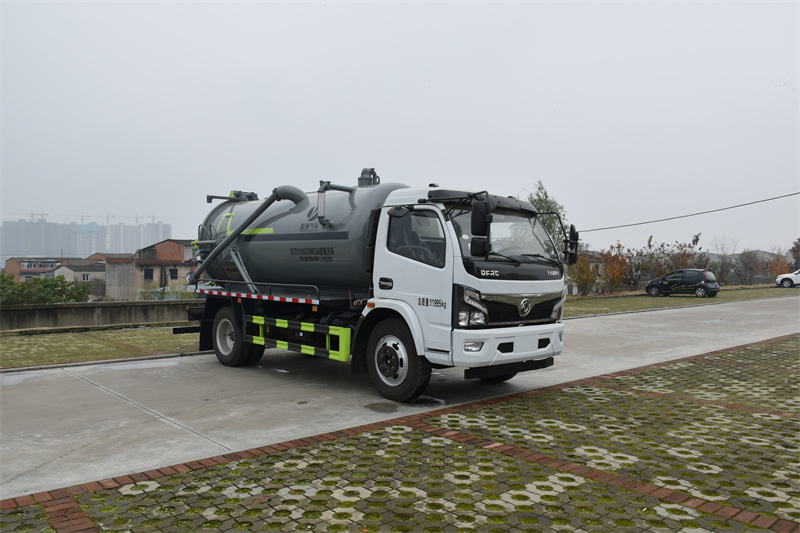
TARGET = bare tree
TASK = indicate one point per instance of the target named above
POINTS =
(723, 265)
(747, 265)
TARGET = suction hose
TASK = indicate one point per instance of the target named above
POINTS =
(284, 192)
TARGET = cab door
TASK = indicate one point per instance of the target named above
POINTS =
(415, 266)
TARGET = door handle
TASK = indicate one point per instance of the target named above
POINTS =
(385, 283)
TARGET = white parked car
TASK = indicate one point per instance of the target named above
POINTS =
(788, 280)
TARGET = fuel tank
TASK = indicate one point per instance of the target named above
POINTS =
(290, 244)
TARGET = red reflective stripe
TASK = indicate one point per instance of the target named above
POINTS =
(259, 297)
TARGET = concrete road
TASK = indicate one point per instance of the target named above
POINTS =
(66, 426)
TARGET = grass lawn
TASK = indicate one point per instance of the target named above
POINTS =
(639, 301)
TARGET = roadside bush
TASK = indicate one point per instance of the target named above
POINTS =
(583, 274)
(41, 291)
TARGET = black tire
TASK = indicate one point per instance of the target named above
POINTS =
(787, 283)
(700, 292)
(226, 335)
(396, 370)
(499, 379)
(654, 291)
(256, 353)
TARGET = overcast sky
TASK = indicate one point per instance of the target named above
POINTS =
(626, 111)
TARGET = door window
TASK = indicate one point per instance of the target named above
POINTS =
(418, 235)
(693, 277)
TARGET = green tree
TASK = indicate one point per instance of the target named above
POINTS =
(641, 264)
(654, 260)
(795, 251)
(7, 289)
(687, 255)
(41, 291)
(544, 203)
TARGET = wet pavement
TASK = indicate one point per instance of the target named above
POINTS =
(705, 443)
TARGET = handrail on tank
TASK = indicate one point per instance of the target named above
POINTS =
(284, 192)
(328, 186)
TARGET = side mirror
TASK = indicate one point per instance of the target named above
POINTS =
(571, 251)
(479, 246)
(481, 218)
(572, 258)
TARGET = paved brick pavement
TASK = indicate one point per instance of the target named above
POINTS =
(707, 443)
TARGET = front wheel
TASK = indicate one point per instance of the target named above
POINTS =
(654, 291)
(394, 367)
(787, 283)
(229, 343)
(700, 292)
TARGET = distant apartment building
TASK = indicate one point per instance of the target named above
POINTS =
(39, 238)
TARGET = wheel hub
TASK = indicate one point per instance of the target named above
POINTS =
(391, 360)
(225, 337)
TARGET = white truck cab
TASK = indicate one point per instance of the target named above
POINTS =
(495, 313)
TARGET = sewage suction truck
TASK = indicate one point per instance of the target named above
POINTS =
(391, 279)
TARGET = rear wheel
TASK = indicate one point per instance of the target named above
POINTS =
(700, 292)
(787, 283)
(394, 367)
(654, 291)
(229, 344)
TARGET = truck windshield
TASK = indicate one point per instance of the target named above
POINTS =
(513, 233)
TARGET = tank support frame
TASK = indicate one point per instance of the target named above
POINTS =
(237, 260)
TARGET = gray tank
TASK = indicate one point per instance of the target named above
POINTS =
(318, 238)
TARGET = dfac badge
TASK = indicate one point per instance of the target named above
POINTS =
(525, 307)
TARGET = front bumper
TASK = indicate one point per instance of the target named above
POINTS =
(499, 346)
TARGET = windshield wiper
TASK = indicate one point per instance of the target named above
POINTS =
(468, 198)
(540, 256)
(495, 254)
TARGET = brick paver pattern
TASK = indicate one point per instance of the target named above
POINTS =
(708, 443)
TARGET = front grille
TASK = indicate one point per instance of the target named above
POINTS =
(505, 314)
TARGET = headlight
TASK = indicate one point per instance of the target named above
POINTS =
(558, 309)
(471, 311)
(473, 298)
(477, 318)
